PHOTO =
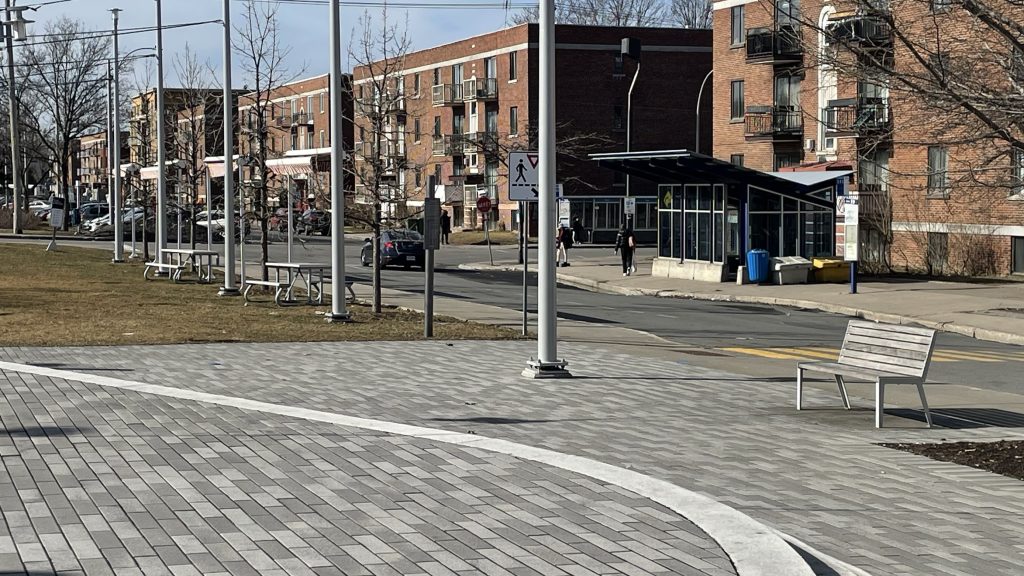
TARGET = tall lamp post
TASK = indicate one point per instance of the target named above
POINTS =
(14, 29)
(161, 145)
(230, 288)
(630, 47)
(546, 364)
(338, 312)
(116, 217)
(696, 146)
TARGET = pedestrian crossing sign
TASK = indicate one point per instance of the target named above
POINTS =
(523, 179)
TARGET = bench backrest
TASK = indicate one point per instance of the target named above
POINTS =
(892, 348)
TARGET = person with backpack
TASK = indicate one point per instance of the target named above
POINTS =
(563, 241)
(625, 246)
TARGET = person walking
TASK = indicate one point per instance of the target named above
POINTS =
(446, 226)
(578, 231)
(563, 241)
(625, 245)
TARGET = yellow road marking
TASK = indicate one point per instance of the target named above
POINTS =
(963, 356)
(764, 353)
(810, 352)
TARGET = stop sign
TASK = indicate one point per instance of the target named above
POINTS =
(483, 204)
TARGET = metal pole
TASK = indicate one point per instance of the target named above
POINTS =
(209, 212)
(547, 363)
(428, 270)
(524, 227)
(110, 142)
(161, 146)
(135, 205)
(853, 277)
(338, 311)
(696, 147)
(177, 188)
(15, 126)
(117, 219)
(229, 288)
(629, 118)
(291, 223)
(241, 220)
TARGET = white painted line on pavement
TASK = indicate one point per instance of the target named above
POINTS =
(755, 549)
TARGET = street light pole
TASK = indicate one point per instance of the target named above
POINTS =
(161, 152)
(547, 364)
(230, 288)
(696, 147)
(15, 125)
(338, 311)
(115, 215)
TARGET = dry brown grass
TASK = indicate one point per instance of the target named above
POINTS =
(76, 296)
(476, 237)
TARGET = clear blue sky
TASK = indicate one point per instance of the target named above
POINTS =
(303, 26)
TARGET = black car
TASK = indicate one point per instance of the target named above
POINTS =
(403, 247)
(314, 221)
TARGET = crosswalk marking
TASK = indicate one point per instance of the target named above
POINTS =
(827, 353)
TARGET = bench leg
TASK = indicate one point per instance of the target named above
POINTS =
(842, 391)
(277, 296)
(799, 388)
(245, 292)
(145, 273)
(924, 403)
(879, 402)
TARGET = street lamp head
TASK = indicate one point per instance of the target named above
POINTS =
(16, 23)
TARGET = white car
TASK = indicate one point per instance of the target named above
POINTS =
(102, 224)
(38, 205)
(217, 222)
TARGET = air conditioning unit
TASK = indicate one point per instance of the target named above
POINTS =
(809, 144)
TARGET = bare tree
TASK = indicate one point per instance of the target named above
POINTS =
(66, 97)
(263, 57)
(35, 166)
(200, 122)
(380, 160)
(691, 13)
(602, 13)
(140, 141)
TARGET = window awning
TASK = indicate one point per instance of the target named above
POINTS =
(153, 172)
(298, 162)
(215, 165)
(686, 167)
(129, 168)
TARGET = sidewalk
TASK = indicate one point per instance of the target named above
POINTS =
(987, 310)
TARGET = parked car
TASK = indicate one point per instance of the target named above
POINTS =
(279, 221)
(314, 221)
(38, 205)
(401, 246)
(102, 226)
(93, 210)
(217, 222)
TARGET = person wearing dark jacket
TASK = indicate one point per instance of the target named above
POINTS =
(625, 245)
(446, 226)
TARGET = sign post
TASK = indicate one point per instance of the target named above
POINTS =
(851, 236)
(56, 220)
(483, 205)
(431, 242)
(629, 208)
(524, 231)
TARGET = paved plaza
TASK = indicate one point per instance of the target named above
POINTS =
(104, 477)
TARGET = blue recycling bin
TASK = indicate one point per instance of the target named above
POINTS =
(757, 265)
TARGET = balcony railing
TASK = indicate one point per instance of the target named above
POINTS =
(447, 145)
(368, 106)
(861, 29)
(480, 89)
(480, 141)
(446, 94)
(774, 46)
(856, 116)
(775, 122)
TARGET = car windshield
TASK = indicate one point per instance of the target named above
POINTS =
(410, 235)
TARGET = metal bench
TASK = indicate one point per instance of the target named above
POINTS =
(883, 353)
(173, 270)
(281, 289)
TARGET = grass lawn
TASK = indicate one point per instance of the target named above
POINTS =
(476, 237)
(76, 296)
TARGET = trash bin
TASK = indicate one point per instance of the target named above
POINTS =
(757, 266)
(790, 270)
(831, 270)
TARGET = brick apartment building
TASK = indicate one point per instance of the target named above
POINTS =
(789, 95)
(298, 125)
(92, 176)
(462, 106)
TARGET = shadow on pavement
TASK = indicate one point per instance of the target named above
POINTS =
(493, 420)
(43, 431)
(963, 418)
(62, 366)
(819, 567)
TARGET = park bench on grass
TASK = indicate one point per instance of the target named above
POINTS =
(173, 270)
(883, 353)
(281, 289)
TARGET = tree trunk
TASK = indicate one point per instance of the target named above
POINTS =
(376, 258)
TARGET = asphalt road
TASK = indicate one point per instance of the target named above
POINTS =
(758, 340)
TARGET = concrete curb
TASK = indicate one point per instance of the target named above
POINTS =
(754, 548)
(607, 288)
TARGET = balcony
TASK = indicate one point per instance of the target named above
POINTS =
(288, 120)
(480, 89)
(865, 31)
(780, 123)
(857, 117)
(480, 141)
(369, 106)
(448, 145)
(447, 95)
(774, 46)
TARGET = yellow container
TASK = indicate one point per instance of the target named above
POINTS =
(827, 270)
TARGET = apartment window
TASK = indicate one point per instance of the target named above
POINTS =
(437, 173)
(1017, 254)
(437, 76)
(617, 65)
(295, 140)
(736, 102)
(618, 122)
(1017, 172)
(294, 106)
(323, 97)
(513, 73)
(309, 140)
(416, 84)
(418, 176)
(787, 159)
(437, 126)
(738, 33)
(491, 67)
(309, 104)
(457, 166)
(362, 134)
(416, 130)
(513, 121)
(736, 159)
(938, 175)
(323, 142)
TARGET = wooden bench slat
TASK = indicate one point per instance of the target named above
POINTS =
(883, 358)
(895, 328)
(889, 336)
(847, 370)
(911, 368)
(887, 351)
(862, 339)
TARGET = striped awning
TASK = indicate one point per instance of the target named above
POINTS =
(215, 165)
